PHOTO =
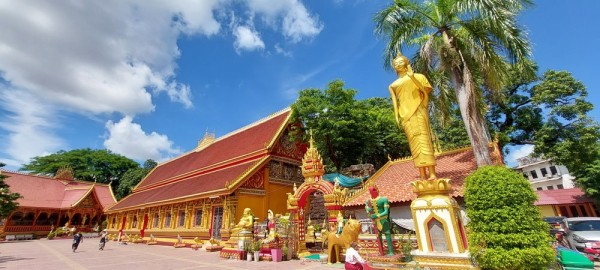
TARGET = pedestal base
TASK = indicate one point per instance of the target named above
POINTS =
(446, 261)
(229, 253)
(386, 262)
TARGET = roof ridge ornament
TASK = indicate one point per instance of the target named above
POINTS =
(312, 163)
(64, 173)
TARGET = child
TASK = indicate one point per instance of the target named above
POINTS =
(77, 238)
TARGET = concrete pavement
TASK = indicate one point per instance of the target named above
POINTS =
(56, 254)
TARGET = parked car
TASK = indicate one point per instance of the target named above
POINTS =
(582, 234)
(555, 224)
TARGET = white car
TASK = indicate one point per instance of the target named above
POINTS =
(582, 234)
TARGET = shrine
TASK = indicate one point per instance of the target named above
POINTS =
(50, 203)
(203, 193)
(299, 200)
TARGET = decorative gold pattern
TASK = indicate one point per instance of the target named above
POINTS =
(312, 163)
(256, 181)
(435, 186)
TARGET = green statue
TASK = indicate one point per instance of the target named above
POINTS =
(378, 209)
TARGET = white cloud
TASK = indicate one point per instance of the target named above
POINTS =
(518, 152)
(282, 51)
(95, 58)
(128, 139)
(247, 39)
(29, 130)
(90, 58)
(290, 15)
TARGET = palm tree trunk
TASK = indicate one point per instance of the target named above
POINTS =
(467, 102)
(478, 135)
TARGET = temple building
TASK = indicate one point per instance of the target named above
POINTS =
(202, 193)
(395, 177)
(52, 202)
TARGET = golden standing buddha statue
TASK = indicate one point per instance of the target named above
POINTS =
(410, 95)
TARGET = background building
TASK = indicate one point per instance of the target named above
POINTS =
(543, 174)
(49, 203)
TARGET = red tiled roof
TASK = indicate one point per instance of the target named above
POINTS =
(46, 192)
(105, 195)
(394, 178)
(561, 196)
(252, 139)
(213, 181)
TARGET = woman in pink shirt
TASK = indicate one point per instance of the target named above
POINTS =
(353, 260)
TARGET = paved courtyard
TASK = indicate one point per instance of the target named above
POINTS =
(56, 254)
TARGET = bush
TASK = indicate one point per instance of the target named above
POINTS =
(506, 230)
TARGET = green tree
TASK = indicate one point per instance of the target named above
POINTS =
(132, 177)
(347, 131)
(515, 118)
(589, 179)
(7, 199)
(465, 43)
(451, 133)
(566, 134)
(102, 166)
(505, 228)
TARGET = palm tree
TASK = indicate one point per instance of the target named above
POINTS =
(469, 42)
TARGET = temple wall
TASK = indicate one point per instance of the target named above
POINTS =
(547, 210)
(254, 202)
(277, 198)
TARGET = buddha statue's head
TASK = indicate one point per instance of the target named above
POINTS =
(400, 64)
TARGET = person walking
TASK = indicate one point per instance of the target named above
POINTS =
(103, 239)
(77, 238)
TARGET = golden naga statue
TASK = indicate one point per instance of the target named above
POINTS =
(410, 95)
(246, 223)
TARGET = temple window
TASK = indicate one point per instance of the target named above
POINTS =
(94, 220)
(560, 186)
(550, 187)
(42, 219)
(168, 220)
(113, 223)
(63, 220)
(540, 188)
(198, 218)
(28, 219)
(553, 170)
(16, 219)
(155, 222)
(181, 218)
(76, 219)
(134, 223)
(544, 172)
(52, 219)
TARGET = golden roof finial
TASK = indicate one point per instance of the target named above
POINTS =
(312, 163)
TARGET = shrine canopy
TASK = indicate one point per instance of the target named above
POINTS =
(344, 181)
(394, 178)
(56, 193)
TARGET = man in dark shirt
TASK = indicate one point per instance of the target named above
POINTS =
(77, 238)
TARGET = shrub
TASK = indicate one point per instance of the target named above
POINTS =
(505, 229)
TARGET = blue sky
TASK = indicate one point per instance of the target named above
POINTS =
(146, 79)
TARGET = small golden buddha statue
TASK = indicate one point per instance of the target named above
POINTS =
(246, 223)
